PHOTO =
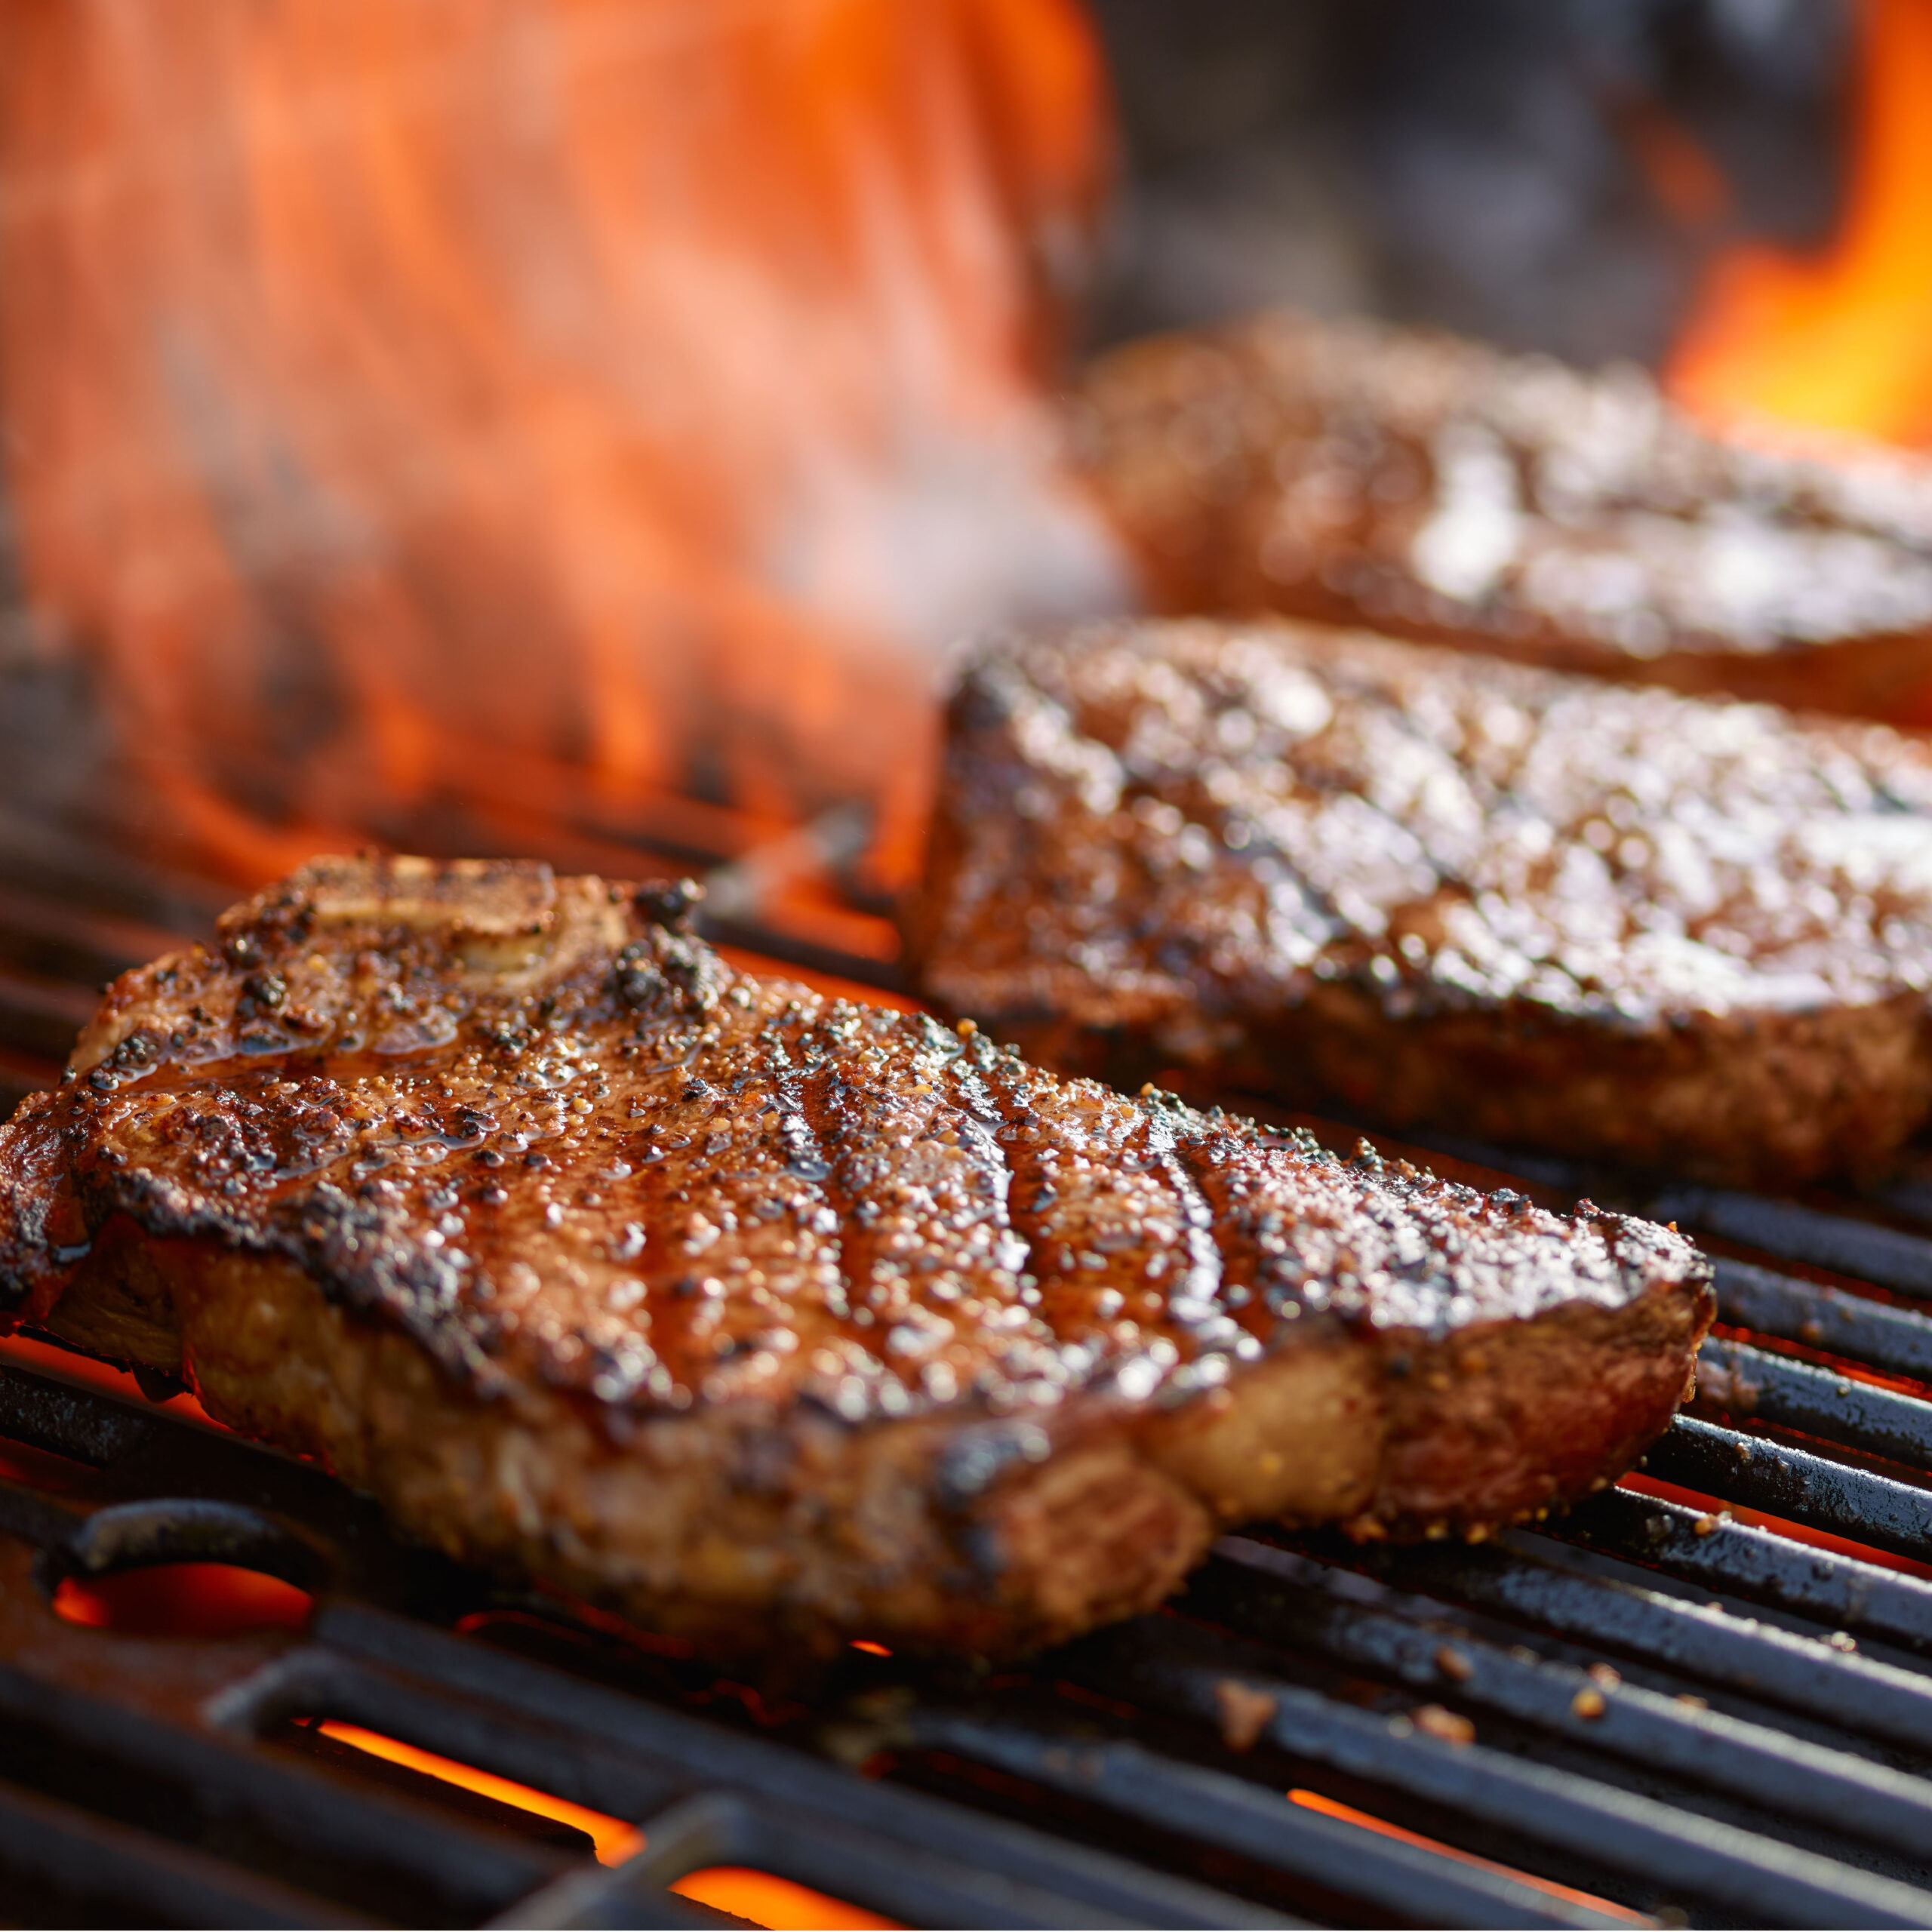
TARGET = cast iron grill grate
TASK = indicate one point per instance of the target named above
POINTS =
(1704, 1696)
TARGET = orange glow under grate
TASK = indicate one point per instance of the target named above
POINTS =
(50, 1358)
(615, 1840)
(1313, 1801)
(762, 1897)
(775, 1903)
(183, 1600)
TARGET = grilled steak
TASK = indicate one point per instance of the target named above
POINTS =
(761, 1315)
(1514, 904)
(1430, 488)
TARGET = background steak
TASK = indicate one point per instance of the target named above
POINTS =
(1437, 489)
(1442, 889)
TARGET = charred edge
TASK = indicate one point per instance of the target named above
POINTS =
(670, 903)
(670, 974)
(971, 1463)
(362, 1260)
(44, 1229)
(358, 1259)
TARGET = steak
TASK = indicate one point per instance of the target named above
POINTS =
(1427, 488)
(764, 1317)
(1498, 900)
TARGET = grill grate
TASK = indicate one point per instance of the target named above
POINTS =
(1704, 1696)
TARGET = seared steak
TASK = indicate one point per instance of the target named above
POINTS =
(1430, 488)
(1517, 905)
(760, 1315)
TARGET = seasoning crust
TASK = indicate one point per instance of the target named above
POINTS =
(1427, 486)
(763, 1316)
(1496, 899)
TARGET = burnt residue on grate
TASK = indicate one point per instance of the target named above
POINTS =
(1704, 1697)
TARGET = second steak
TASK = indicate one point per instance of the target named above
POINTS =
(1442, 890)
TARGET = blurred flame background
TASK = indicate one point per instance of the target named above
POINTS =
(503, 397)
(555, 407)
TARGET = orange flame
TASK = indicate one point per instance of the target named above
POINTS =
(1841, 341)
(579, 398)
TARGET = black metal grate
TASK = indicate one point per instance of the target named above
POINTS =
(1653, 1705)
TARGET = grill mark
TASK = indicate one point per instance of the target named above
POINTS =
(746, 1065)
(1222, 1167)
(1190, 1318)
(979, 1119)
(988, 1076)
(1200, 1287)
(786, 1054)
(976, 1242)
(812, 1091)
(1054, 677)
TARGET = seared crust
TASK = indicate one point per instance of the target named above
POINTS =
(1358, 473)
(1519, 905)
(762, 1317)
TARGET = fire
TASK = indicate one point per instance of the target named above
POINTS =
(1840, 341)
(556, 402)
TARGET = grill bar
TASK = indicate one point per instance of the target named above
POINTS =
(1889, 1256)
(298, 1812)
(1897, 1341)
(1422, 1641)
(1226, 1811)
(1767, 1881)
(1795, 1484)
(118, 1871)
(1699, 1640)
(1772, 1389)
(687, 1751)
(1844, 1241)
(1838, 1593)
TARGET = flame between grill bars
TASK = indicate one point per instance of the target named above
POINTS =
(1705, 1697)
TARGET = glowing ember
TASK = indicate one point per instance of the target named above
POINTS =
(49, 1359)
(614, 1839)
(559, 400)
(758, 1897)
(1313, 1801)
(775, 1903)
(208, 1600)
(1840, 341)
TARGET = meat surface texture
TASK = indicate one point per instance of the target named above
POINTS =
(1514, 904)
(1431, 488)
(765, 1318)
